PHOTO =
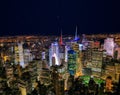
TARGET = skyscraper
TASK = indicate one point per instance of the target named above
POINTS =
(109, 46)
(54, 52)
(72, 62)
(19, 57)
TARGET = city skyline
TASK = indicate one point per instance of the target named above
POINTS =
(49, 17)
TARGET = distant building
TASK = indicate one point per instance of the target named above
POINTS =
(28, 57)
(22, 56)
(19, 57)
(93, 44)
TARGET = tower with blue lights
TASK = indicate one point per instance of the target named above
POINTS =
(72, 58)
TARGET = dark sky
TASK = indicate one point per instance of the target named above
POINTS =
(47, 17)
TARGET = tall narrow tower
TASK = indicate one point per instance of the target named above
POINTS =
(19, 57)
(61, 41)
(76, 37)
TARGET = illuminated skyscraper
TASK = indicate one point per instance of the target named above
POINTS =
(109, 46)
(62, 53)
(54, 52)
(72, 59)
(28, 57)
(79, 65)
(19, 57)
(66, 53)
(50, 56)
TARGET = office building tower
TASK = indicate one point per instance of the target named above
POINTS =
(19, 57)
(79, 65)
(66, 53)
(96, 62)
(28, 57)
(50, 56)
(72, 59)
(54, 52)
(109, 46)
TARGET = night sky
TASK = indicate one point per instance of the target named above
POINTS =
(48, 17)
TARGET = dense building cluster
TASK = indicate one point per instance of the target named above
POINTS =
(65, 65)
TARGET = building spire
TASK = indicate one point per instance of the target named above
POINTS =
(61, 41)
(76, 37)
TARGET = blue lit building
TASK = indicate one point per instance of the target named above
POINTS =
(72, 58)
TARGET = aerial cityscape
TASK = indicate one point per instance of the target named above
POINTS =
(59, 47)
(60, 65)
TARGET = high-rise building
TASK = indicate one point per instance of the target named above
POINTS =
(109, 46)
(19, 57)
(28, 57)
(72, 59)
(62, 53)
(66, 53)
(87, 55)
(50, 56)
(79, 65)
(54, 52)
(97, 59)
(44, 73)
(95, 62)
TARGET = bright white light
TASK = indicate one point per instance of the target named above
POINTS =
(66, 53)
(56, 59)
(80, 46)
